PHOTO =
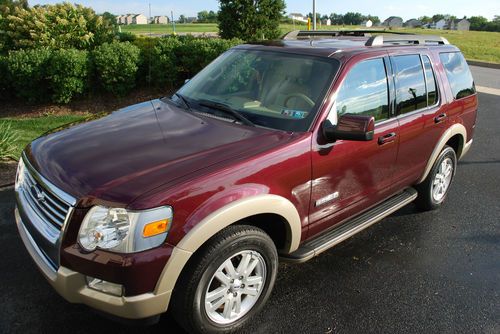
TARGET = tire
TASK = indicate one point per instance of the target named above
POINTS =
(234, 246)
(433, 190)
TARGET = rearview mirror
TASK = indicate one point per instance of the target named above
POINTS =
(350, 127)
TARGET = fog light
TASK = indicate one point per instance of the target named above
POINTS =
(104, 286)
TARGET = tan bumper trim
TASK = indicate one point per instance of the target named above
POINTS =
(71, 285)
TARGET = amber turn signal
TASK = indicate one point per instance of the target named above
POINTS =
(155, 228)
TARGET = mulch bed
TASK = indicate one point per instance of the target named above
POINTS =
(88, 104)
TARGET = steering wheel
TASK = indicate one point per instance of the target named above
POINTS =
(301, 96)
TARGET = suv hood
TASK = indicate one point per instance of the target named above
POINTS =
(134, 150)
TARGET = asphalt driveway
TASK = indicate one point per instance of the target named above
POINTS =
(434, 272)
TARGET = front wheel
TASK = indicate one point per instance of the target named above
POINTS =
(433, 190)
(228, 281)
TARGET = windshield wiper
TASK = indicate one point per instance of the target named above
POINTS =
(226, 109)
(184, 101)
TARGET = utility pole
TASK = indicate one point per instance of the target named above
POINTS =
(314, 14)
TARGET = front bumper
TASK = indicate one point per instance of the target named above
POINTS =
(72, 286)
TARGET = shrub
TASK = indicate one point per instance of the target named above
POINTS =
(28, 73)
(4, 79)
(116, 66)
(195, 53)
(126, 36)
(164, 71)
(68, 73)
(57, 26)
(8, 139)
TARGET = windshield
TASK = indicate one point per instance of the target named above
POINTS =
(271, 89)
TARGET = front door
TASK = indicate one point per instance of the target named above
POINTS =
(349, 176)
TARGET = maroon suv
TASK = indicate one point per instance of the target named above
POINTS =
(278, 150)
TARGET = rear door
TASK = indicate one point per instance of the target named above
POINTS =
(421, 111)
(349, 176)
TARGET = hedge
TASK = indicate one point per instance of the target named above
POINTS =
(116, 66)
(40, 75)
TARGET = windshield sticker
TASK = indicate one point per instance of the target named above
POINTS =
(299, 114)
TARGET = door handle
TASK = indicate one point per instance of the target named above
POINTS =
(390, 137)
(440, 118)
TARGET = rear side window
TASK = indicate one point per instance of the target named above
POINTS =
(364, 91)
(430, 81)
(458, 74)
(410, 83)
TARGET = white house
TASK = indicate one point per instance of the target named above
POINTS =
(459, 24)
(140, 19)
(297, 17)
(441, 24)
(160, 20)
(129, 19)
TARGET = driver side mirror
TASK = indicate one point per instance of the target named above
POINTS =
(350, 127)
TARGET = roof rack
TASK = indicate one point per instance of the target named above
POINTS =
(377, 37)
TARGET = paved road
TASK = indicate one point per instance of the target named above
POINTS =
(434, 272)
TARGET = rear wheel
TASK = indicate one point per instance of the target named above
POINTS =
(433, 191)
(228, 281)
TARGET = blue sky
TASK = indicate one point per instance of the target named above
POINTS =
(381, 8)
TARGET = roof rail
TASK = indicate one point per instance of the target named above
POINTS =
(308, 34)
(406, 40)
(377, 37)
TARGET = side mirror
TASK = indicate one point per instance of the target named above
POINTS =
(350, 127)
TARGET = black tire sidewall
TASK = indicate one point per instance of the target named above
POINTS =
(255, 242)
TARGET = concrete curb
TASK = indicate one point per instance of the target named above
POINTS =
(483, 64)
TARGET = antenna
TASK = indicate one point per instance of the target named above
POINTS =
(150, 47)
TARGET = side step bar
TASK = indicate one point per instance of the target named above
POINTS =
(340, 233)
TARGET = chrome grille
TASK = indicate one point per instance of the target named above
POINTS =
(43, 210)
(48, 206)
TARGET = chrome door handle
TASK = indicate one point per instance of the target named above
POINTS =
(390, 137)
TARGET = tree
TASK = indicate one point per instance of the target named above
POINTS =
(182, 18)
(250, 20)
(353, 18)
(109, 18)
(478, 23)
(374, 19)
(207, 16)
(425, 19)
(337, 19)
(437, 17)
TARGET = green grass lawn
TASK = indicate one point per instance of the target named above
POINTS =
(27, 129)
(476, 45)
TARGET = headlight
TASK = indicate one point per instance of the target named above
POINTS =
(20, 174)
(124, 231)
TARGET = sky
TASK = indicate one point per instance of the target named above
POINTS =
(380, 8)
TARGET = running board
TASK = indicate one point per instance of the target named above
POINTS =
(340, 233)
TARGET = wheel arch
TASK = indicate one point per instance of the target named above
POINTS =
(456, 137)
(243, 211)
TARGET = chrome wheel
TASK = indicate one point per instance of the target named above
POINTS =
(442, 180)
(235, 287)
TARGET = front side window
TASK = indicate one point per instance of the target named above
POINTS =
(458, 74)
(364, 91)
(410, 83)
(271, 89)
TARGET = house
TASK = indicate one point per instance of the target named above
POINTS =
(191, 19)
(413, 23)
(129, 19)
(297, 17)
(393, 22)
(140, 19)
(120, 19)
(462, 24)
(441, 24)
(160, 20)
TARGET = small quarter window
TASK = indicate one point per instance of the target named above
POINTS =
(430, 81)
(364, 91)
(458, 74)
(410, 83)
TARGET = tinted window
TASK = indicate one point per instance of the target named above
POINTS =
(410, 83)
(364, 90)
(431, 82)
(458, 74)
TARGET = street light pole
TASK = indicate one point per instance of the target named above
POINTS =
(314, 14)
